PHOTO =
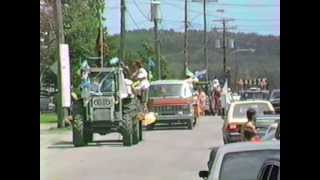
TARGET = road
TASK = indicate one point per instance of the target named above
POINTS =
(164, 154)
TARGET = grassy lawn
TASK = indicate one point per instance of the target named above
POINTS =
(47, 118)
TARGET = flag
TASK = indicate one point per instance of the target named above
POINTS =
(201, 74)
(114, 61)
(189, 73)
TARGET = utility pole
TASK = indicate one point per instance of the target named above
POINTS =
(224, 44)
(101, 41)
(205, 36)
(155, 17)
(224, 39)
(157, 46)
(59, 20)
(186, 45)
(123, 29)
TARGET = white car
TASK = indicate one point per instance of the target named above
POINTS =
(237, 116)
(240, 161)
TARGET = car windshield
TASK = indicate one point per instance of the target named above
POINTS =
(165, 90)
(240, 110)
(103, 82)
(254, 95)
(245, 165)
(275, 95)
(267, 119)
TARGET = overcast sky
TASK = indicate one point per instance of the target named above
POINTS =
(259, 16)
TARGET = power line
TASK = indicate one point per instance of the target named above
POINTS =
(234, 4)
(132, 19)
(257, 19)
(141, 12)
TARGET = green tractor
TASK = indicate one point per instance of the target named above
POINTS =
(106, 108)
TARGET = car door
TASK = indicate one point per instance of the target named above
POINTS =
(270, 170)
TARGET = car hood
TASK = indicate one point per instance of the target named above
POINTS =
(170, 101)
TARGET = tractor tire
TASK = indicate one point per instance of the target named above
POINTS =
(127, 138)
(135, 133)
(190, 124)
(140, 131)
(78, 132)
(127, 129)
(88, 137)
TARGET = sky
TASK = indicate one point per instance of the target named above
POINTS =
(258, 16)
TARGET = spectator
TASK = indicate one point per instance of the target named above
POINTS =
(248, 130)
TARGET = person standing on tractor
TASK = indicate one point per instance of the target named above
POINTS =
(141, 84)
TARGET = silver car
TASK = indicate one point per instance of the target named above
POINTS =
(240, 161)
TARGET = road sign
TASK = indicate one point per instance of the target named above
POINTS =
(65, 75)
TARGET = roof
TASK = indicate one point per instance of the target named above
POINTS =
(250, 146)
(251, 101)
(273, 116)
(172, 81)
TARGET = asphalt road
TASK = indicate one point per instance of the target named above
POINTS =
(164, 154)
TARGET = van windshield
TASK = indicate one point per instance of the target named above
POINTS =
(165, 90)
(240, 110)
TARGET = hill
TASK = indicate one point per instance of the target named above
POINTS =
(264, 62)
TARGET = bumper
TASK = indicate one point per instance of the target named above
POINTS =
(174, 118)
(232, 137)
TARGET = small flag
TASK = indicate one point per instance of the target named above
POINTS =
(189, 73)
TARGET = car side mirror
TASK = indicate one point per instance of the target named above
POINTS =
(203, 174)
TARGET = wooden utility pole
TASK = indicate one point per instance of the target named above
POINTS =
(59, 21)
(101, 40)
(155, 17)
(224, 39)
(157, 46)
(186, 45)
(123, 30)
(224, 44)
(205, 36)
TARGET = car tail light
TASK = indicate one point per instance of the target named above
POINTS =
(233, 127)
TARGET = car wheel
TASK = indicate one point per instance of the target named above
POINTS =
(78, 135)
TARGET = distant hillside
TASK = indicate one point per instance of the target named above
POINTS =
(264, 62)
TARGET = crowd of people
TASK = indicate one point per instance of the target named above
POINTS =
(244, 84)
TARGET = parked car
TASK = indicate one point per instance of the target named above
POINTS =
(240, 161)
(172, 102)
(254, 93)
(263, 122)
(275, 99)
(270, 170)
(237, 116)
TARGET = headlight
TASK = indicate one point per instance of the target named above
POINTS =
(180, 112)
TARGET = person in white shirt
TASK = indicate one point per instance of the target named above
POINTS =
(141, 86)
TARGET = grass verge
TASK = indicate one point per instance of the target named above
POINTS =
(48, 118)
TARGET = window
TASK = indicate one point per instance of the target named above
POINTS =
(245, 165)
(240, 110)
(165, 90)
